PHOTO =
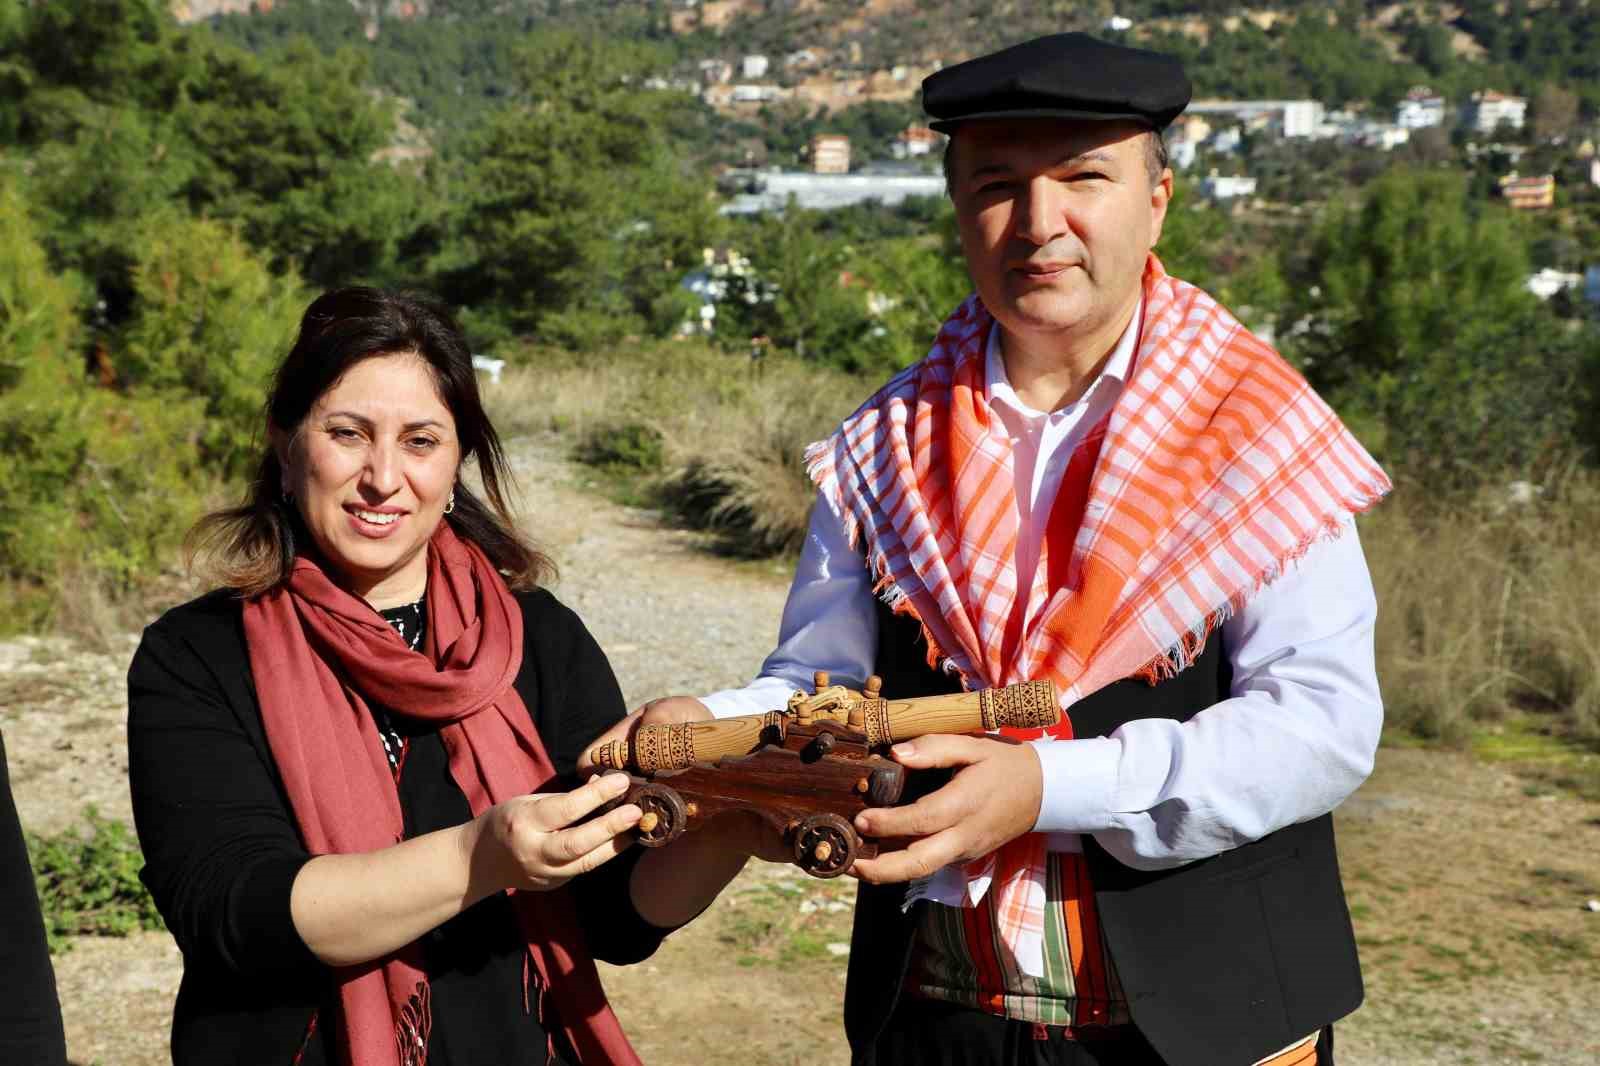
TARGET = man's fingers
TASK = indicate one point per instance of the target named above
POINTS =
(550, 813)
(922, 858)
(941, 749)
(933, 813)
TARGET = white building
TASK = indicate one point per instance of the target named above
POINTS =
(1117, 24)
(1226, 187)
(1487, 110)
(1594, 171)
(771, 190)
(1294, 118)
(1182, 154)
(715, 71)
(755, 94)
(754, 67)
(1419, 110)
(1227, 141)
(1546, 283)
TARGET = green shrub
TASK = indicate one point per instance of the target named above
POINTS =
(632, 446)
(104, 470)
(88, 882)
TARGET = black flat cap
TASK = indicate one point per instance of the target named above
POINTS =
(1065, 75)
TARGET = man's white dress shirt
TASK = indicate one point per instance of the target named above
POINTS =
(1296, 736)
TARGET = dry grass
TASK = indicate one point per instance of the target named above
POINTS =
(703, 434)
(1486, 608)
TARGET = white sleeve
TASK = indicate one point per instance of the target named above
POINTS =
(830, 622)
(1297, 735)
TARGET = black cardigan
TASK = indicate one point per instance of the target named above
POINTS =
(222, 848)
(30, 1016)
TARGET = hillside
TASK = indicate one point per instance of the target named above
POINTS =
(829, 54)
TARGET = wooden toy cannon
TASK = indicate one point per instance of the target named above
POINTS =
(807, 769)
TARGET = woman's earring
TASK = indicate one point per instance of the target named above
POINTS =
(450, 505)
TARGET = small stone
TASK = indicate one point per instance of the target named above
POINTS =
(807, 907)
(836, 949)
(836, 906)
(1593, 906)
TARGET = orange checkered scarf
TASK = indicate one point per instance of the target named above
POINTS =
(1218, 467)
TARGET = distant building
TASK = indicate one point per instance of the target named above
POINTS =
(805, 57)
(1226, 187)
(1191, 128)
(1546, 283)
(1294, 118)
(1594, 172)
(754, 67)
(1380, 135)
(772, 190)
(1117, 24)
(755, 94)
(915, 141)
(1419, 110)
(716, 71)
(1227, 141)
(1487, 110)
(1529, 194)
(1182, 154)
(830, 154)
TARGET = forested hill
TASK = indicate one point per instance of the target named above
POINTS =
(1347, 53)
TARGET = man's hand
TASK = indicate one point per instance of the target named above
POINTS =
(993, 798)
(669, 710)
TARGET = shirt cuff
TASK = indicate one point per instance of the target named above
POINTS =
(1080, 784)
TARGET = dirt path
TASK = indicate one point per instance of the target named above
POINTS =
(1468, 884)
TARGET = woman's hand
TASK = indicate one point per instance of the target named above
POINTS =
(541, 842)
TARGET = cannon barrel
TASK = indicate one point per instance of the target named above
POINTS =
(1029, 705)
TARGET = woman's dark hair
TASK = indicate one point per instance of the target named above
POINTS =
(251, 547)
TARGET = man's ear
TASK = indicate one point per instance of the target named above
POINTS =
(1160, 200)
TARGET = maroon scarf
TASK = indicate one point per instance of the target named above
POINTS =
(320, 655)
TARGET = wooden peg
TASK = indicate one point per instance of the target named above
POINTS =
(873, 688)
(649, 821)
(821, 679)
(822, 852)
(862, 786)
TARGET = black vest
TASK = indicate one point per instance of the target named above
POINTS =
(1224, 960)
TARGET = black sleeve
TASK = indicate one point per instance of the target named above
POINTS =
(578, 698)
(30, 1014)
(220, 845)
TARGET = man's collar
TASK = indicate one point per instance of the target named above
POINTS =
(1116, 369)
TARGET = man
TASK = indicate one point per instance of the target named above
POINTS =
(1096, 476)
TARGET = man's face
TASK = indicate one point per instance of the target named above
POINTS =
(1056, 219)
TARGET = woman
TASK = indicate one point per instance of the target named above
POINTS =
(348, 764)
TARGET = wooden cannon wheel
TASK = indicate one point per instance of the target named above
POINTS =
(825, 845)
(665, 816)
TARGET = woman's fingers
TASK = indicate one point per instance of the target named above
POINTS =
(548, 813)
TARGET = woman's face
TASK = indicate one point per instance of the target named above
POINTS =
(370, 469)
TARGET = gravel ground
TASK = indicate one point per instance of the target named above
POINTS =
(1467, 885)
